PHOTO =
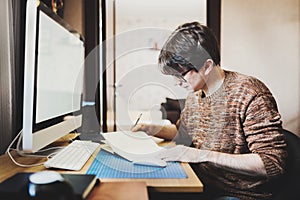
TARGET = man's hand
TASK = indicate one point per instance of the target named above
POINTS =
(167, 132)
(150, 129)
(183, 154)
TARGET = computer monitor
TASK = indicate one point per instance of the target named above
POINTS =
(53, 78)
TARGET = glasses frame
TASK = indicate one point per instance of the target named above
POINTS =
(180, 76)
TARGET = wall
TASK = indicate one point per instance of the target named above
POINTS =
(74, 14)
(261, 38)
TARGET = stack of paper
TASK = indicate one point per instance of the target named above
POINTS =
(133, 146)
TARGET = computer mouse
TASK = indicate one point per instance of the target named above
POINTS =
(49, 185)
(151, 162)
(45, 177)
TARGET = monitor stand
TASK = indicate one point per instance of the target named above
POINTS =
(90, 128)
(92, 136)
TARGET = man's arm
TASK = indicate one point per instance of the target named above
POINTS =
(250, 163)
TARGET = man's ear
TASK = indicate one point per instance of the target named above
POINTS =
(208, 66)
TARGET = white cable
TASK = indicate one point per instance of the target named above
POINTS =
(11, 157)
(22, 165)
(9, 146)
(20, 152)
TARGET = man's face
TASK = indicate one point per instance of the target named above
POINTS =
(192, 80)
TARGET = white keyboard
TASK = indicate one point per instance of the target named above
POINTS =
(73, 156)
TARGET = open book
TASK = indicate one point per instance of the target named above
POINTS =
(137, 147)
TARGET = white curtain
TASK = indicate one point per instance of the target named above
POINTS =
(7, 75)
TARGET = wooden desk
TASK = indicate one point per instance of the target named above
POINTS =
(190, 184)
(121, 191)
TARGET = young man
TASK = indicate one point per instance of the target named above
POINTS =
(231, 119)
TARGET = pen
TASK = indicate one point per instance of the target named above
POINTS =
(138, 119)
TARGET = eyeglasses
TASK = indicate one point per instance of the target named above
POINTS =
(180, 77)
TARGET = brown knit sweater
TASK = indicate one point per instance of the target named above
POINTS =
(240, 117)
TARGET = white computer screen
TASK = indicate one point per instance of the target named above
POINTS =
(58, 73)
(53, 77)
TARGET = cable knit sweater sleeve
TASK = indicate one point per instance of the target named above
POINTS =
(262, 126)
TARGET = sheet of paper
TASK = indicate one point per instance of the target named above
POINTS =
(132, 145)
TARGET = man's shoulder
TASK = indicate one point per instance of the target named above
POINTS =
(240, 77)
(245, 83)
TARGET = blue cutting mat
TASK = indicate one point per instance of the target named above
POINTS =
(107, 165)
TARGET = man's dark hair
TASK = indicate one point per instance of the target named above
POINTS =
(188, 47)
